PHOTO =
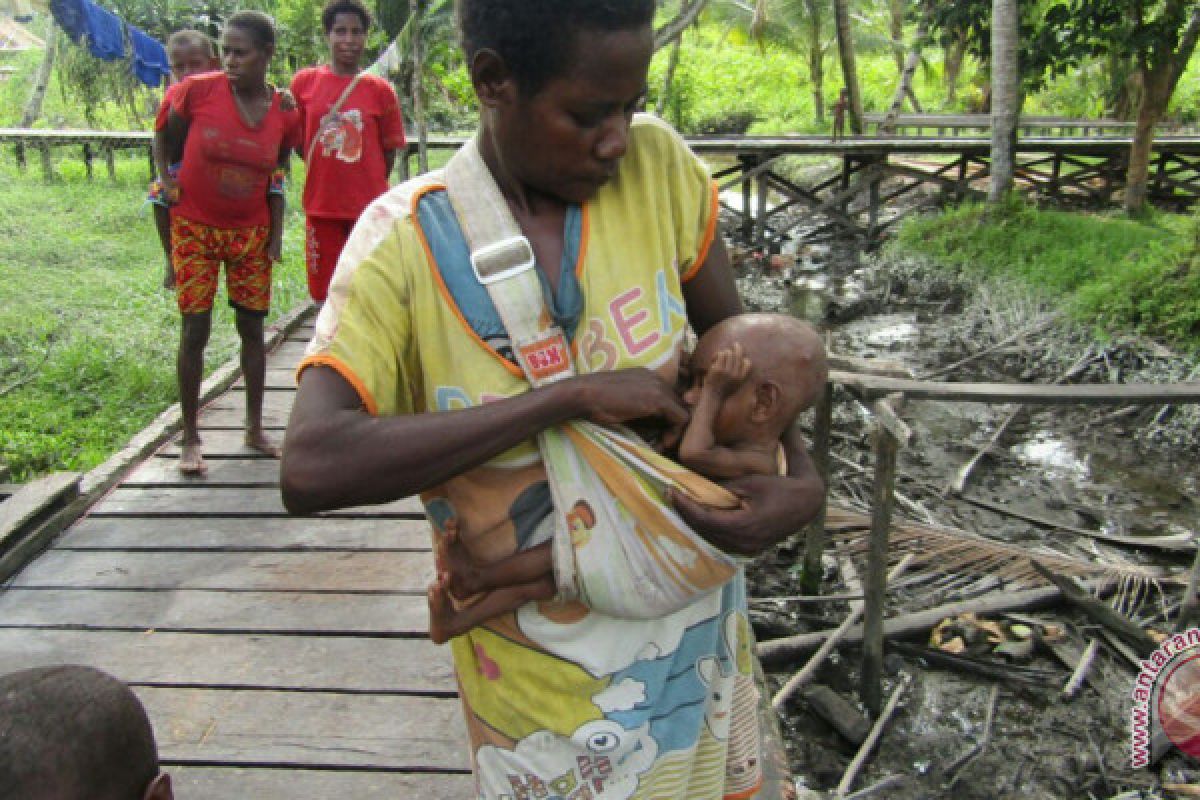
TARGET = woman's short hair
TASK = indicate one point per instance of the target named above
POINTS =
(260, 26)
(334, 7)
(535, 37)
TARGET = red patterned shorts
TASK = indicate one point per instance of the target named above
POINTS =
(198, 250)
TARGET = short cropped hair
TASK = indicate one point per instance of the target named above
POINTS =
(260, 26)
(192, 38)
(334, 7)
(535, 37)
(73, 732)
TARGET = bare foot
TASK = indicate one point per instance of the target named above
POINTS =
(443, 618)
(257, 440)
(191, 460)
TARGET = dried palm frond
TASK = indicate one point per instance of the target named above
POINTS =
(954, 557)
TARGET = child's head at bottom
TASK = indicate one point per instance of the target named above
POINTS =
(75, 733)
(787, 372)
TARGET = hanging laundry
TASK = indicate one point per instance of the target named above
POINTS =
(70, 17)
(150, 64)
(106, 32)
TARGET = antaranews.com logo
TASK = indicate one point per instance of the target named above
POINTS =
(1166, 697)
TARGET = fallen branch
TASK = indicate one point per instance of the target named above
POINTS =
(806, 673)
(879, 786)
(1100, 612)
(979, 667)
(790, 647)
(1081, 670)
(956, 767)
(864, 751)
(1005, 342)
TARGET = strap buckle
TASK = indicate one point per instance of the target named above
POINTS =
(503, 259)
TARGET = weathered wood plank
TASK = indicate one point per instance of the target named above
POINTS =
(221, 471)
(201, 659)
(215, 783)
(318, 729)
(1077, 394)
(33, 500)
(227, 442)
(254, 533)
(218, 501)
(192, 610)
(331, 571)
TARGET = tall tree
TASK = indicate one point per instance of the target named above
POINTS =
(845, 40)
(904, 85)
(816, 58)
(1006, 96)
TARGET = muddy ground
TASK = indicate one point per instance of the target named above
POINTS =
(1129, 472)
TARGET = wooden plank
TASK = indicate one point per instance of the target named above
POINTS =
(32, 501)
(222, 416)
(310, 784)
(1085, 394)
(217, 501)
(317, 729)
(202, 659)
(246, 534)
(249, 471)
(227, 442)
(287, 571)
(277, 379)
(190, 610)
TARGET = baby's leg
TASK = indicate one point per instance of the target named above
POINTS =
(446, 621)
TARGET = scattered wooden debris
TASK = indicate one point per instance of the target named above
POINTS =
(860, 758)
(839, 712)
(1101, 613)
(1081, 670)
(956, 768)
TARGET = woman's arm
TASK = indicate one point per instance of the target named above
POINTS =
(168, 141)
(335, 454)
(276, 205)
(389, 162)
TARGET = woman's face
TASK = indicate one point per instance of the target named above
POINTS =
(566, 140)
(347, 37)
(245, 62)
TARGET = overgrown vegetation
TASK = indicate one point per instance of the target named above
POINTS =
(1118, 274)
(87, 334)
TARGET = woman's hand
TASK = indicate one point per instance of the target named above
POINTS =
(625, 395)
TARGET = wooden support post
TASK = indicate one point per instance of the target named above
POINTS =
(110, 163)
(748, 163)
(47, 163)
(20, 153)
(814, 534)
(150, 162)
(760, 212)
(1056, 176)
(873, 207)
(844, 185)
(889, 433)
(87, 160)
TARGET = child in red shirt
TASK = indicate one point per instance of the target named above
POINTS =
(350, 150)
(189, 53)
(236, 139)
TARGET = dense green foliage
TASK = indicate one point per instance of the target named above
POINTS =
(87, 334)
(1119, 274)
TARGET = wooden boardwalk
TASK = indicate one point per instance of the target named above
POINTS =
(278, 656)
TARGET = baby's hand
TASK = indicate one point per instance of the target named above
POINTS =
(287, 101)
(728, 371)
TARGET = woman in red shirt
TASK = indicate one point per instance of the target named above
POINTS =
(227, 209)
(350, 150)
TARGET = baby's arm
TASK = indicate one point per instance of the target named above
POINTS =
(699, 450)
(446, 621)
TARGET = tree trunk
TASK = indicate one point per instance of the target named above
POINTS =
(816, 60)
(669, 78)
(1005, 97)
(845, 39)
(688, 12)
(1158, 84)
(415, 7)
(896, 26)
(33, 106)
(952, 66)
(904, 89)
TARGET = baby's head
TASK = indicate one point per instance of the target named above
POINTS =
(190, 53)
(787, 372)
(75, 733)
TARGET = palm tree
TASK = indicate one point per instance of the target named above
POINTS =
(904, 86)
(1005, 96)
(845, 40)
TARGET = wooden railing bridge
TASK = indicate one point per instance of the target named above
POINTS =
(862, 186)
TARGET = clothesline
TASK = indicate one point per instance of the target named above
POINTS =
(105, 34)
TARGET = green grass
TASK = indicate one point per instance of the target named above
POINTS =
(87, 334)
(1119, 274)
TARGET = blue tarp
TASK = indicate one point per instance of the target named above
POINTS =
(149, 58)
(106, 32)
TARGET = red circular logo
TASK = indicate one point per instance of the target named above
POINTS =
(1179, 704)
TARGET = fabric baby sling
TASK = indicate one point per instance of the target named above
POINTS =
(619, 547)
